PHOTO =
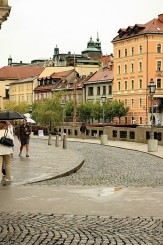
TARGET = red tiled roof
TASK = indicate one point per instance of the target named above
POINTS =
(153, 26)
(101, 75)
(43, 88)
(19, 72)
(61, 74)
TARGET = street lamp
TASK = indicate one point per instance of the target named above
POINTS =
(30, 111)
(63, 106)
(103, 99)
(152, 89)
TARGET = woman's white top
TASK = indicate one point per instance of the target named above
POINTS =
(5, 150)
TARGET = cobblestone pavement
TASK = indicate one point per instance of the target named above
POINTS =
(104, 166)
(68, 229)
(111, 166)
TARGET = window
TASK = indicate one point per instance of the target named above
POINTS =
(140, 49)
(132, 51)
(125, 120)
(132, 84)
(119, 69)
(110, 89)
(125, 68)
(158, 83)
(119, 53)
(125, 85)
(125, 104)
(132, 103)
(104, 90)
(158, 65)
(90, 91)
(140, 65)
(140, 102)
(140, 83)
(158, 48)
(132, 67)
(98, 90)
(125, 52)
(119, 86)
(140, 120)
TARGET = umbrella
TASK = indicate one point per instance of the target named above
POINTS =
(30, 120)
(11, 115)
(27, 115)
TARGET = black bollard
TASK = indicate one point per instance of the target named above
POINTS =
(49, 139)
(57, 141)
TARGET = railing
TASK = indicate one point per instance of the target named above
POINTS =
(138, 134)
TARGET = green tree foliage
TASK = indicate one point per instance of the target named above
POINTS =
(114, 109)
(84, 111)
(48, 111)
(69, 110)
(22, 107)
(97, 111)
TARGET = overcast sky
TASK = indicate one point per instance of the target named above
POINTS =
(35, 27)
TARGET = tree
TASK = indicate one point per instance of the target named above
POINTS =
(97, 111)
(69, 109)
(84, 111)
(22, 107)
(48, 111)
(114, 109)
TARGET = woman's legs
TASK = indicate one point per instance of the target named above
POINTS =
(1, 161)
(7, 159)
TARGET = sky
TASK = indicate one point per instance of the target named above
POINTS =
(35, 27)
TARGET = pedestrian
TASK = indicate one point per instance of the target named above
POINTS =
(83, 130)
(5, 152)
(11, 129)
(23, 134)
(158, 123)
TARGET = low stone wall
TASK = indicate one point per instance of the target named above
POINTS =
(140, 134)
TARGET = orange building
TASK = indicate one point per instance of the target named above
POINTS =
(138, 58)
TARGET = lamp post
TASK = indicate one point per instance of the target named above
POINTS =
(152, 89)
(63, 106)
(152, 143)
(30, 111)
(103, 99)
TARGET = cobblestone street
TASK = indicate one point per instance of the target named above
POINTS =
(68, 229)
(103, 166)
(111, 166)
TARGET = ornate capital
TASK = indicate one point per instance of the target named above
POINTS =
(4, 11)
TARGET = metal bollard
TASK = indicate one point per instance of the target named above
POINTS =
(64, 141)
(49, 139)
(57, 141)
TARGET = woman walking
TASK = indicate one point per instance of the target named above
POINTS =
(5, 152)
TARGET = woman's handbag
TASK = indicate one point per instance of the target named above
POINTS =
(6, 141)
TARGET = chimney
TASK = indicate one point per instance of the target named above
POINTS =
(160, 17)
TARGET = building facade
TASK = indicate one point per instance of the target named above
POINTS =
(138, 58)
(98, 84)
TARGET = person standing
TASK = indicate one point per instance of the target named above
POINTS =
(23, 136)
(5, 152)
(83, 130)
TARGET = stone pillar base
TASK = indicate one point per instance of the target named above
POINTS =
(152, 145)
(104, 139)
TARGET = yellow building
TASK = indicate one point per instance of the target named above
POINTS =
(23, 80)
(138, 58)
